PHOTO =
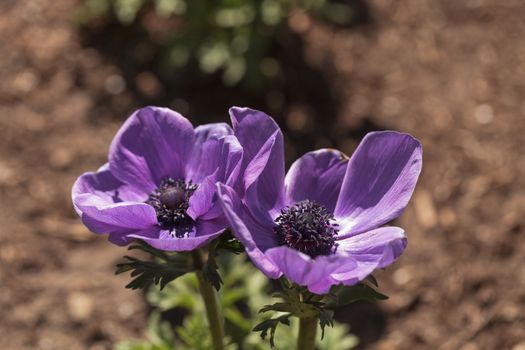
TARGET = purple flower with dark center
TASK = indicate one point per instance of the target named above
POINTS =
(320, 225)
(159, 183)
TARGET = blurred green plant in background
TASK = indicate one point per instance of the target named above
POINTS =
(233, 38)
(245, 290)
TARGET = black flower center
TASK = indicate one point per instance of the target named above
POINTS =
(171, 200)
(307, 227)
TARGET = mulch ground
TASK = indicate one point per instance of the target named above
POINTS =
(452, 73)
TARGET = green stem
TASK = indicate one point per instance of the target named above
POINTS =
(307, 333)
(215, 321)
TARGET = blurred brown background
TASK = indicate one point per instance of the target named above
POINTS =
(452, 73)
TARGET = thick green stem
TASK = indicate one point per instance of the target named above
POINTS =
(307, 333)
(215, 321)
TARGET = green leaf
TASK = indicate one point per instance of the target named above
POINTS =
(349, 294)
(209, 270)
(212, 276)
(279, 307)
(271, 325)
(148, 272)
(230, 243)
(325, 319)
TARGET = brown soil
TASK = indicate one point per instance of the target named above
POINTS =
(452, 73)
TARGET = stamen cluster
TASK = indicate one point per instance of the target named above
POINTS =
(171, 200)
(307, 227)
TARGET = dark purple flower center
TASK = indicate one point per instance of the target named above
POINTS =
(307, 227)
(171, 200)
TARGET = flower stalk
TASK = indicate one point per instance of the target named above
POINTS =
(307, 333)
(209, 296)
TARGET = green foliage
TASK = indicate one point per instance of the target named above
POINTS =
(346, 295)
(299, 302)
(245, 290)
(231, 37)
(159, 334)
(339, 338)
(271, 326)
(166, 267)
(163, 270)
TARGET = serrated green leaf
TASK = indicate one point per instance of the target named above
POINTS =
(350, 294)
(325, 319)
(210, 273)
(148, 272)
(271, 325)
(278, 307)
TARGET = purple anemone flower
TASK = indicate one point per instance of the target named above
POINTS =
(319, 224)
(159, 183)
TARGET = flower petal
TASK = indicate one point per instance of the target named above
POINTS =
(255, 237)
(263, 202)
(105, 186)
(371, 250)
(316, 176)
(125, 237)
(153, 143)
(262, 141)
(315, 274)
(379, 181)
(108, 206)
(215, 147)
(204, 232)
(101, 217)
(220, 161)
(202, 199)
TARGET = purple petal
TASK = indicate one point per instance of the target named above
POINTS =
(215, 148)
(204, 232)
(153, 143)
(259, 197)
(202, 199)
(316, 176)
(379, 181)
(104, 185)
(315, 274)
(255, 237)
(108, 206)
(262, 141)
(101, 217)
(124, 237)
(220, 160)
(371, 250)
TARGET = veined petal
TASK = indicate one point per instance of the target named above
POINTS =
(220, 161)
(202, 199)
(371, 250)
(379, 181)
(123, 237)
(106, 205)
(262, 198)
(204, 232)
(153, 143)
(255, 236)
(105, 186)
(215, 147)
(262, 141)
(101, 217)
(315, 273)
(316, 176)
